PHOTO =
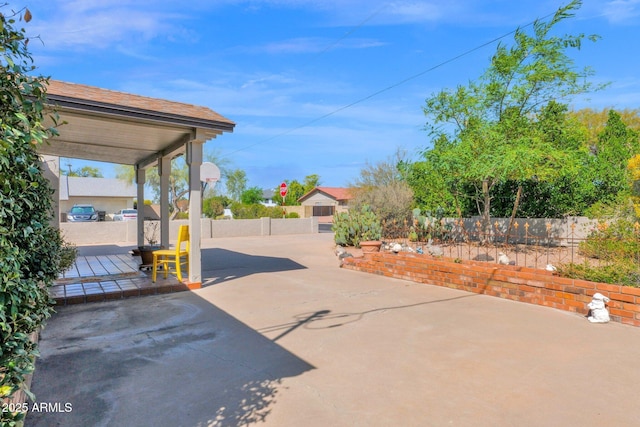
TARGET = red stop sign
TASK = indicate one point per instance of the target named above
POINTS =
(283, 189)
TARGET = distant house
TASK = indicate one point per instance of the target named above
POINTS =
(325, 201)
(151, 212)
(267, 198)
(105, 194)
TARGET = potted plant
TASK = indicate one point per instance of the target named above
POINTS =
(359, 228)
(151, 231)
(370, 237)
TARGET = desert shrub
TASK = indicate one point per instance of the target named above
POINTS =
(356, 226)
(616, 246)
(622, 272)
(613, 240)
(383, 188)
(391, 203)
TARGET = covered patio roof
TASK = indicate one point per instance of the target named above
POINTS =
(123, 128)
(104, 125)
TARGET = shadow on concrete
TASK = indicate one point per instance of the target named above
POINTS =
(222, 265)
(166, 360)
(324, 319)
(95, 250)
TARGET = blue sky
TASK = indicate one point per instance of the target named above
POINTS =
(314, 86)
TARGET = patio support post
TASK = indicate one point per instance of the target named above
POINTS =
(194, 160)
(51, 171)
(140, 180)
(164, 170)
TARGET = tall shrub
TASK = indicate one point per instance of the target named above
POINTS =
(383, 188)
(29, 245)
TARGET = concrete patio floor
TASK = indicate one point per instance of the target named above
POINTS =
(280, 336)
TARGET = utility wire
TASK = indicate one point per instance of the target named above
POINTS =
(393, 86)
(351, 31)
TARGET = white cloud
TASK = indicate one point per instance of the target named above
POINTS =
(311, 45)
(421, 11)
(621, 11)
(620, 94)
(101, 24)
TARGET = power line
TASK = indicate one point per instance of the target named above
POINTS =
(352, 30)
(401, 82)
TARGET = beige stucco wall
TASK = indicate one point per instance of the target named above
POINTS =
(124, 232)
(319, 199)
(297, 209)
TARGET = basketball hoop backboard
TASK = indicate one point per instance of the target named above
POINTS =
(209, 173)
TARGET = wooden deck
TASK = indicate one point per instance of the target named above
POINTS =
(108, 277)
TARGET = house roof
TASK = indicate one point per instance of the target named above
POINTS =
(73, 186)
(151, 212)
(123, 128)
(337, 193)
(63, 92)
(268, 194)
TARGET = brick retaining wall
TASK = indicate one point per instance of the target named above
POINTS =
(516, 283)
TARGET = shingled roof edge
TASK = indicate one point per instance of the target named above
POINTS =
(122, 110)
(87, 98)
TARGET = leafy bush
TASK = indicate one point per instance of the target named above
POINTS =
(621, 272)
(617, 246)
(29, 245)
(611, 241)
(255, 211)
(213, 207)
(356, 226)
(68, 255)
(292, 215)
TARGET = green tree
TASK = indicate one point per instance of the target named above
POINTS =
(214, 206)
(86, 172)
(236, 183)
(223, 164)
(178, 179)
(310, 182)
(178, 183)
(594, 121)
(30, 247)
(608, 172)
(251, 196)
(296, 189)
(125, 173)
(559, 193)
(485, 133)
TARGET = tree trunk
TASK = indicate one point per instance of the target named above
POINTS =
(486, 218)
(513, 213)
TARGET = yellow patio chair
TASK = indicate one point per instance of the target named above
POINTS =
(174, 256)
